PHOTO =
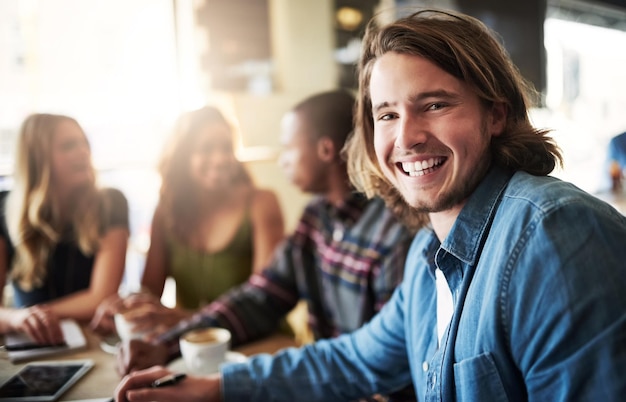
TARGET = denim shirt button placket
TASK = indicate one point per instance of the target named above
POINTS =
(431, 379)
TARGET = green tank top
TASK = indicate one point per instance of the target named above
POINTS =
(202, 277)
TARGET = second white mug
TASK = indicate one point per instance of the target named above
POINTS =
(203, 350)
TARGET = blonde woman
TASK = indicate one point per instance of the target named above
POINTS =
(62, 240)
(212, 228)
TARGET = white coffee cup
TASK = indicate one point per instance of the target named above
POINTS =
(204, 349)
(124, 328)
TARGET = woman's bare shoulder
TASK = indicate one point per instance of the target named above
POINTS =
(262, 196)
(264, 201)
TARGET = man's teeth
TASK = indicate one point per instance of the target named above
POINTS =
(420, 168)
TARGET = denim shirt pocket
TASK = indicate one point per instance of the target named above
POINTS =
(477, 380)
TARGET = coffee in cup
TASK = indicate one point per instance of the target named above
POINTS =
(204, 349)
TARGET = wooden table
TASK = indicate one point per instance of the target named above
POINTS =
(101, 380)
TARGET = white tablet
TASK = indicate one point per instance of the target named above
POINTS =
(43, 381)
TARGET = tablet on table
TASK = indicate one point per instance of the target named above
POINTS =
(43, 381)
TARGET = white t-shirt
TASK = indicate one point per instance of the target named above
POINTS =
(445, 305)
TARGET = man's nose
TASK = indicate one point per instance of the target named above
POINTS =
(410, 132)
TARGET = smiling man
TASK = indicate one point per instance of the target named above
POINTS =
(514, 288)
(432, 133)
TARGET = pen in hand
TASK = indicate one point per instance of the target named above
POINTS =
(168, 380)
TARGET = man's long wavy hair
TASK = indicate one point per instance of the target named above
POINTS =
(465, 48)
(178, 195)
(33, 217)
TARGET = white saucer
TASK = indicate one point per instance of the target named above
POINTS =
(110, 344)
(231, 357)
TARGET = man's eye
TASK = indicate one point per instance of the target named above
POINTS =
(436, 106)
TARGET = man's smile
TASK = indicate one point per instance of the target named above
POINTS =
(420, 168)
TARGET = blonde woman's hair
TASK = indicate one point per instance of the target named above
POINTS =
(33, 218)
(465, 48)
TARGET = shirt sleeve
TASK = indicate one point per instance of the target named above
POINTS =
(567, 296)
(115, 209)
(389, 275)
(370, 360)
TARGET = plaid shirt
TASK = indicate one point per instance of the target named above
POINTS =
(344, 261)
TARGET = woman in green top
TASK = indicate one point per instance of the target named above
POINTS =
(211, 229)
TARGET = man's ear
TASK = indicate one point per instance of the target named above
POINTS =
(326, 151)
(497, 118)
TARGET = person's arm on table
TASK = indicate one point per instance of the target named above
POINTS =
(136, 387)
(38, 322)
(370, 360)
(327, 370)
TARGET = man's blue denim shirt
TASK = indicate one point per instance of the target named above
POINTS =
(537, 270)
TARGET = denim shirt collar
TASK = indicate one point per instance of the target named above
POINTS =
(474, 220)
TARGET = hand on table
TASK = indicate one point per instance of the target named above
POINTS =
(39, 322)
(143, 310)
(137, 354)
(102, 322)
(135, 387)
(147, 314)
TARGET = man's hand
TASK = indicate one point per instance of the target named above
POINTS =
(137, 355)
(136, 387)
